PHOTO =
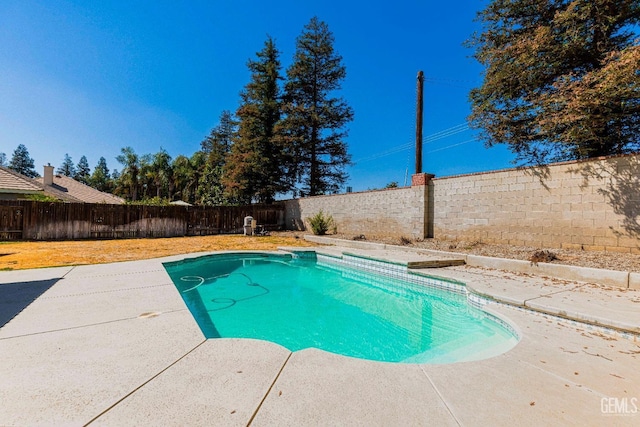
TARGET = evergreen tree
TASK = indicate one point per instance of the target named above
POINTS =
(3, 159)
(561, 79)
(67, 168)
(210, 191)
(83, 171)
(101, 178)
(22, 163)
(313, 129)
(215, 148)
(255, 166)
(217, 144)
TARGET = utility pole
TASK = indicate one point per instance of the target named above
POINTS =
(419, 106)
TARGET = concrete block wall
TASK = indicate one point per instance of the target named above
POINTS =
(395, 212)
(593, 205)
(590, 205)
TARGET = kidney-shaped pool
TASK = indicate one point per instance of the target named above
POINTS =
(301, 303)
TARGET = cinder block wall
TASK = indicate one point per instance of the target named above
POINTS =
(593, 205)
(392, 212)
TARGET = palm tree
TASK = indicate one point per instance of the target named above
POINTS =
(160, 171)
(186, 174)
(129, 177)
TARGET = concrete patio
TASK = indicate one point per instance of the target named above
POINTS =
(114, 344)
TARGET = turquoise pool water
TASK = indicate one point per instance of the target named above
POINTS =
(298, 304)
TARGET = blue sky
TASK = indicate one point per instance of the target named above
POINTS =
(90, 77)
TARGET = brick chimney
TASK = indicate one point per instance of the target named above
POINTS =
(48, 174)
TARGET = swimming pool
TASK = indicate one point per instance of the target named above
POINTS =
(304, 301)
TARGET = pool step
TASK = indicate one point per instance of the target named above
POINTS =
(411, 260)
(464, 349)
(411, 257)
(435, 262)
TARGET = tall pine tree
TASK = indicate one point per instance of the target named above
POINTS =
(561, 79)
(101, 178)
(218, 143)
(22, 162)
(67, 168)
(255, 166)
(83, 171)
(314, 127)
(215, 148)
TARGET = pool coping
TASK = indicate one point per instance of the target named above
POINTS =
(480, 299)
(622, 279)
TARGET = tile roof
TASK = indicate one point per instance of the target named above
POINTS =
(70, 190)
(64, 188)
(14, 182)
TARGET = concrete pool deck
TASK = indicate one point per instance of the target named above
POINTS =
(114, 344)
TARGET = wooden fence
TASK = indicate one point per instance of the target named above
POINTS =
(30, 220)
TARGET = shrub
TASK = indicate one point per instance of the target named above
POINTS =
(321, 223)
(404, 241)
(153, 201)
(42, 198)
(542, 256)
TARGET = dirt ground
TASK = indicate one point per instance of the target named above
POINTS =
(22, 255)
(576, 257)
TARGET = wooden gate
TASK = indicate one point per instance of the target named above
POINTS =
(11, 222)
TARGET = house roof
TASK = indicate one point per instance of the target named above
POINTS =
(14, 182)
(70, 190)
(64, 188)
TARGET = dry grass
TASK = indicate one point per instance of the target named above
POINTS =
(21, 255)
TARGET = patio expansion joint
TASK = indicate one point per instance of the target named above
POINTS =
(144, 383)
(128, 273)
(275, 380)
(84, 326)
(552, 293)
(565, 380)
(108, 291)
(70, 270)
(442, 399)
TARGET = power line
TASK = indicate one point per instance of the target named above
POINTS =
(439, 79)
(459, 128)
(389, 152)
(461, 84)
(446, 133)
(452, 128)
(453, 145)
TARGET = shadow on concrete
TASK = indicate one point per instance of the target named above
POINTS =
(15, 297)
